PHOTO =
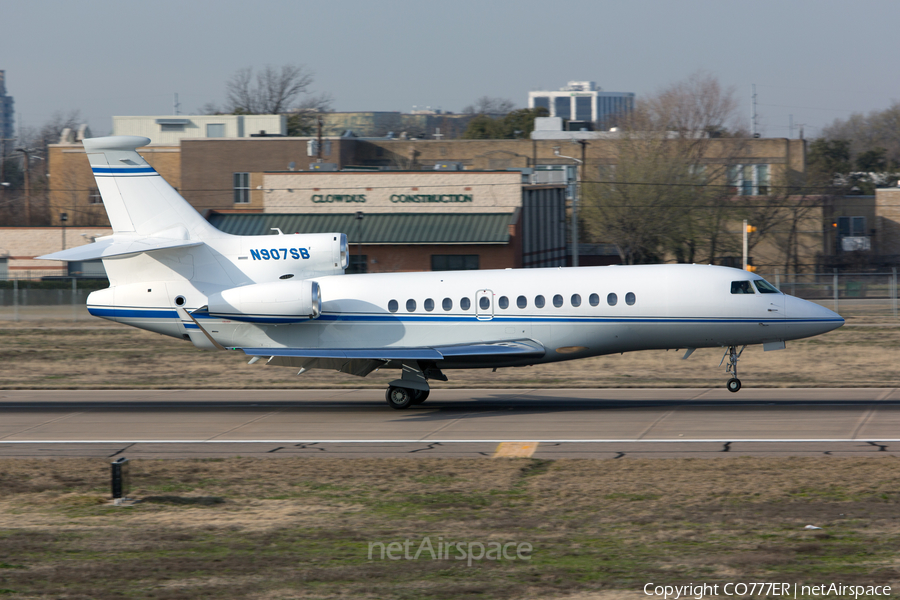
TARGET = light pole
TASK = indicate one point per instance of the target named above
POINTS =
(578, 186)
(27, 186)
(63, 217)
(359, 259)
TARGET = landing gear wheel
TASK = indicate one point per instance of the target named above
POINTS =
(398, 397)
(733, 355)
(420, 396)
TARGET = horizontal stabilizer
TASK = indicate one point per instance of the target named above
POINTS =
(511, 349)
(109, 247)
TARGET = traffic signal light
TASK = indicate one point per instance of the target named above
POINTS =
(750, 228)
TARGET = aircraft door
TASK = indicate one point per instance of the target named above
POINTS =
(484, 305)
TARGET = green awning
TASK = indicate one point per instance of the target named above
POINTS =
(379, 228)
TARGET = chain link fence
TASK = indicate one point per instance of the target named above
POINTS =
(59, 298)
(859, 295)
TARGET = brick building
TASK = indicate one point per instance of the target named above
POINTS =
(237, 175)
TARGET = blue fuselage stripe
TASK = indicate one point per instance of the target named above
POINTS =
(144, 313)
(122, 171)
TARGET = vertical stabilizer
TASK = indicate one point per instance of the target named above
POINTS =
(136, 198)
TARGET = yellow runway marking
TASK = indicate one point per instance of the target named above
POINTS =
(515, 449)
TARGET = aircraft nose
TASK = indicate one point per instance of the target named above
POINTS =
(816, 315)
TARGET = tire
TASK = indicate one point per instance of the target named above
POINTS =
(420, 396)
(733, 385)
(398, 397)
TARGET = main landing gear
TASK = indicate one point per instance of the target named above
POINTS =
(412, 387)
(400, 398)
(733, 355)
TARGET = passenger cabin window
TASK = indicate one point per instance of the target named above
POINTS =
(522, 302)
(393, 306)
(539, 301)
(557, 301)
(629, 298)
(576, 300)
(612, 299)
(503, 302)
(465, 304)
(765, 287)
(594, 299)
(411, 305)
(741, 287)
(447, 304)
(484, 303)
(429, 304)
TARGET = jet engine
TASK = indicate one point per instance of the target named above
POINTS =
(276, 301)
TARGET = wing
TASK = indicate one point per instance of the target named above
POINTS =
(362, 361)
(514, 349)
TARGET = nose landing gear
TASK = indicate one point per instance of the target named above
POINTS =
(733, 355)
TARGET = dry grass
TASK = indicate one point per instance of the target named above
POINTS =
(299, 528)
(94, 354)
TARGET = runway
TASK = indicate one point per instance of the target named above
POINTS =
(547, 424)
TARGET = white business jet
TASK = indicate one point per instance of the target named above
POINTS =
(286, 298)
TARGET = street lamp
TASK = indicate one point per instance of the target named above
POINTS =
(359, 260)
(63, 217)
(575, 197)
(27, 186)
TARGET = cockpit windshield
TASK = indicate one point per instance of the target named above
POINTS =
(741, 287)
(765, 287)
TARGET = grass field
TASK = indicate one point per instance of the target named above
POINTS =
(98, 354)
(300, 528)
(287, 528)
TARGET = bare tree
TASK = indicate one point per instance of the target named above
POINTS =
(302, 120)
(488, 105)
(271, 91)
(657, 203)
(876, 130)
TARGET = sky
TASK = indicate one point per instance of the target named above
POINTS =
(817, 60)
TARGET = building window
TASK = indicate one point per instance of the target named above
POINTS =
(94, 197)
(358, 264)
(562, 105)
(749, 180)
(171, 126)
(215, 130)
(242, 188)
(542, 102)
(584, 108)
(454, 262)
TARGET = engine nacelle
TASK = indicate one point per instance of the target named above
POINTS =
(305, 255)
(276, 301)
